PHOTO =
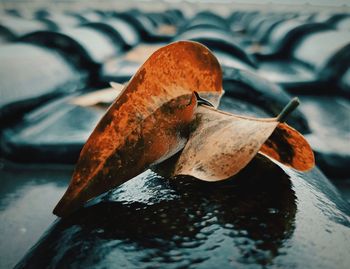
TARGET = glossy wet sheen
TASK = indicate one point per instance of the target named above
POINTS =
(264, 217)
(27, 195)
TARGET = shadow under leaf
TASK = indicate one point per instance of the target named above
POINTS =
(178, 223)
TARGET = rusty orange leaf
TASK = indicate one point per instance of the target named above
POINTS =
(147, 123)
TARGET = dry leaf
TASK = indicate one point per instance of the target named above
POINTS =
(147, 123)
(103, 96)
(222, 144)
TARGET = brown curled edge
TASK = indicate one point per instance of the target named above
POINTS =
(289, 147)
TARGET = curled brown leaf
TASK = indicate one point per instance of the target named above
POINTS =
(222, 144)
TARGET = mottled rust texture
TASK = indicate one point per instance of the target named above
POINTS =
(145, 123)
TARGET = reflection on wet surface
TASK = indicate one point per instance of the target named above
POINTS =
(27, 195)
(154, 222)
(322, 232)
(265, 217)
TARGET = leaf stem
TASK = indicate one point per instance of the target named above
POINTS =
(202, 101)
(288, 109)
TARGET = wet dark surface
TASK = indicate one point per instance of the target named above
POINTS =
(27, 195)
(265, 217)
